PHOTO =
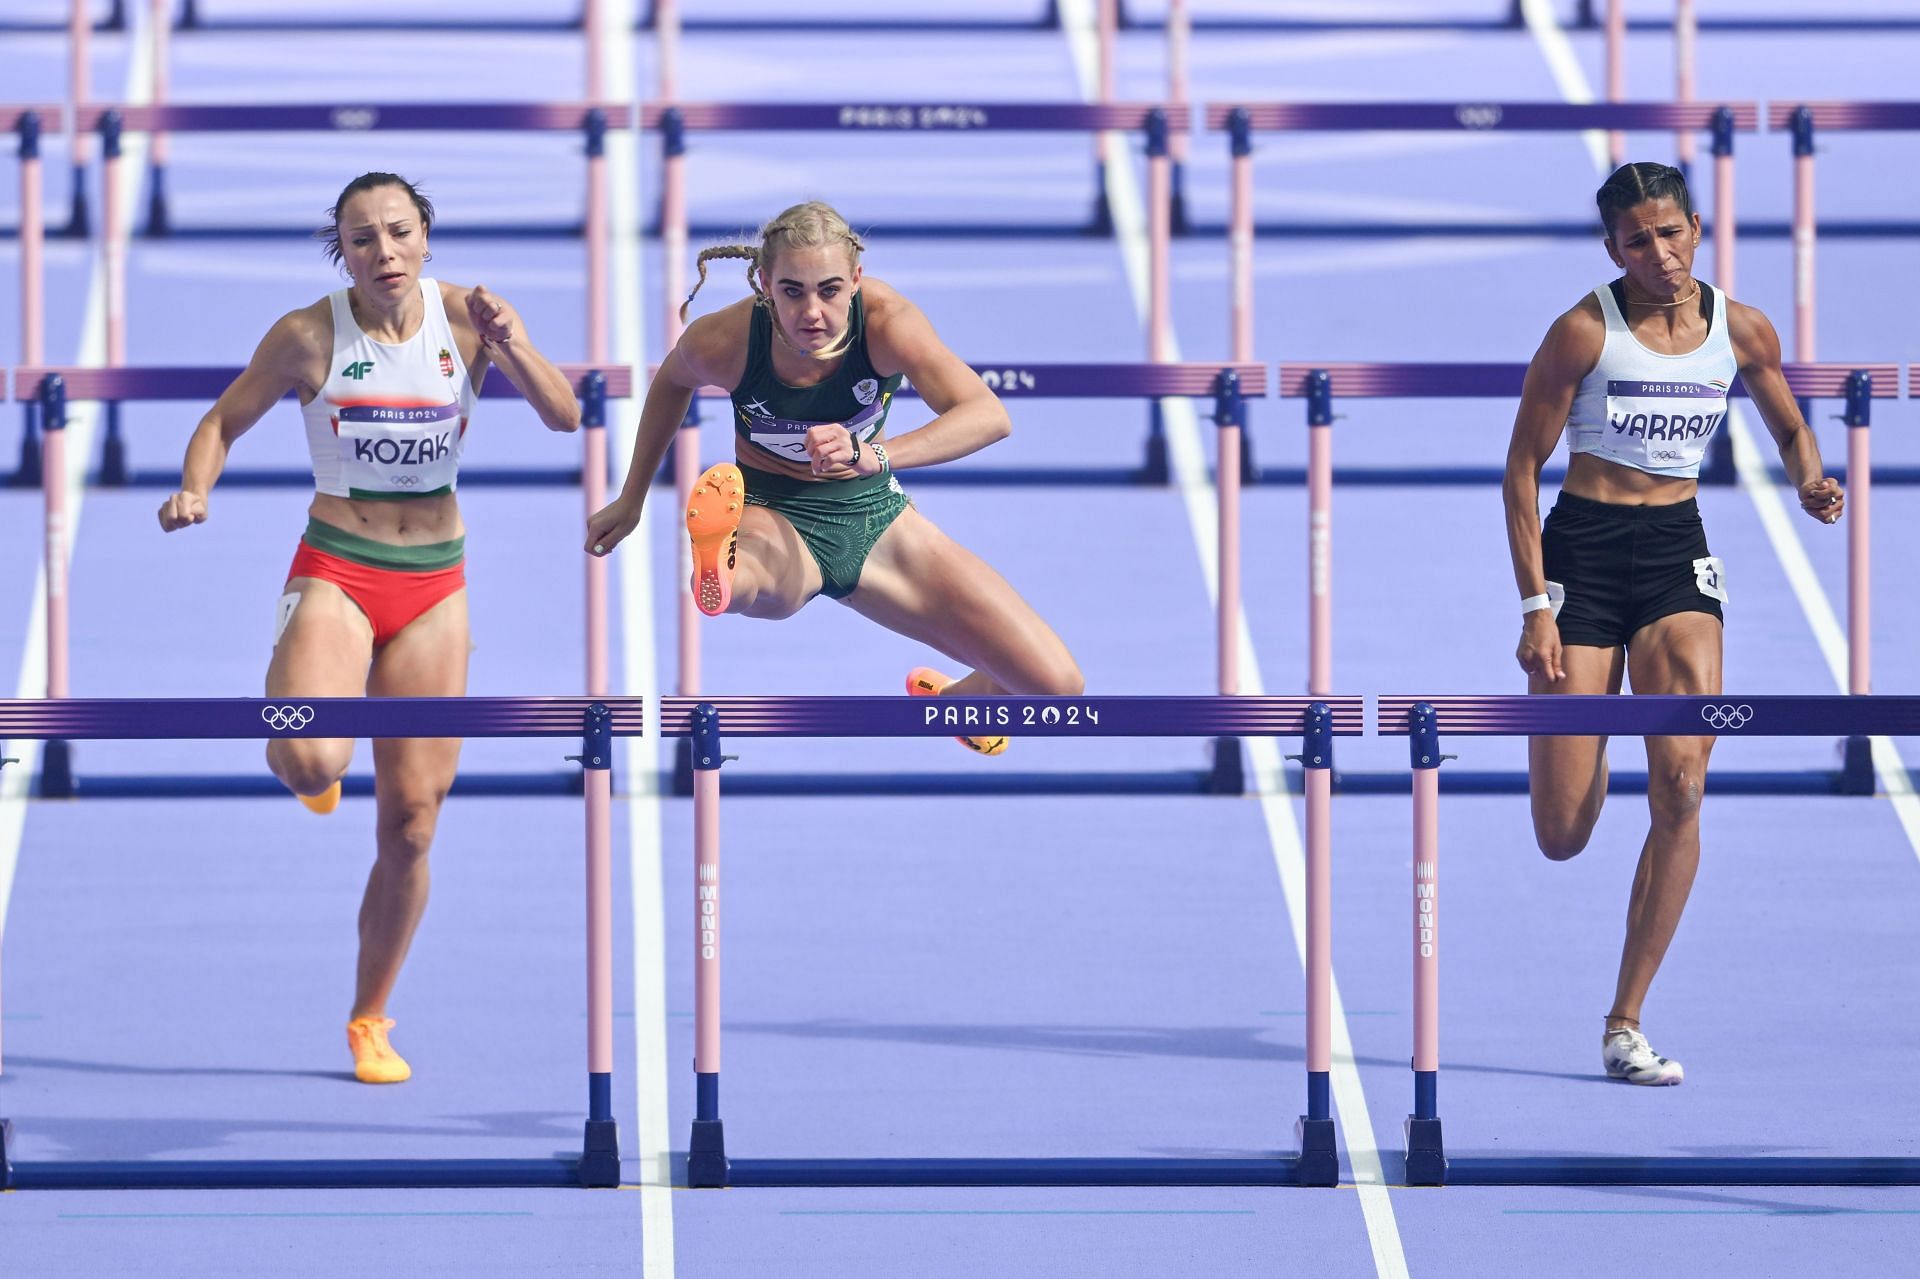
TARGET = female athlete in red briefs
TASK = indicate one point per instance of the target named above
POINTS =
(1619, 582)
(813, 506)
(375, 603)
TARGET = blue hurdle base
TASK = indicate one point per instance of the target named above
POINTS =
(1225, 775)
(1459, 781)
(265, 786)
(290, 1174)
(464, 231)
(266, 477)
(1278, 1171)
(1629, 1170)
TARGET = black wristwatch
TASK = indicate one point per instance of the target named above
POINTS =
(856, 449)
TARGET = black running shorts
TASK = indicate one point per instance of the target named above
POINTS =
(1613, 569)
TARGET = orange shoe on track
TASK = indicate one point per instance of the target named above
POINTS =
(713, 522)
(323, 803)
(924, 681)
(374, 1061)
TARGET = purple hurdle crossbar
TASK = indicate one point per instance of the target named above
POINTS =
(1230, 386)
(1321, 384)
(595, 723)
(1422, 720)
(53, 388)
(1317, 720)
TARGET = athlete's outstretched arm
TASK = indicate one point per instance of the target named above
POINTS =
(282, 362)
(1569, 351)
(504, 341)
(1757, 347)
(685, 370)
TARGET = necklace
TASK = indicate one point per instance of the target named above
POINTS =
(1633, 301)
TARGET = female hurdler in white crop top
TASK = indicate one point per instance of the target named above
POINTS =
(388, 422)
(1653, 412)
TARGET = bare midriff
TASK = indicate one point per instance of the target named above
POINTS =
(1599, 480)
(407, 521)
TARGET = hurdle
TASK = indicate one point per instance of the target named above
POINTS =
(55, 388)
(659, 14)
(1425, 721)
(593, 723)
(674, 120)
(1803, 121)
(706, 722)
(1229, 386)
(162, 21)
(591, 120)
(1858, 384)
(1241, 121)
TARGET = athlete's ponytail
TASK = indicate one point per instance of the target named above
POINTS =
(804, 226)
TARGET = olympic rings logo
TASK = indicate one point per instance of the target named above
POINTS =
(287, 718)
(1726, 716)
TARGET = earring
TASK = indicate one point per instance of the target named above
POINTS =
(429, 256)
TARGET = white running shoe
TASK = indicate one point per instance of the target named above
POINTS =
(1626, 1056)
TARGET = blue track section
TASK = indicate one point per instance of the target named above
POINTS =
(926, 988)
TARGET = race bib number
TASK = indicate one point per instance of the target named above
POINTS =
(1670, 422)
(283, 615)
(1711, 577)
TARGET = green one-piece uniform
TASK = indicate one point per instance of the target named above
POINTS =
(839, 520)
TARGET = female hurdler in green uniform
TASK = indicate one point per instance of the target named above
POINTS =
(813, 360)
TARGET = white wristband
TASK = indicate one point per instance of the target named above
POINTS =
(1534, 603)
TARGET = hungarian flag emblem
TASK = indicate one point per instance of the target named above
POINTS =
(446, 362)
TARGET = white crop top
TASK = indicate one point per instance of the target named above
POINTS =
(390, 419)
(1653, 412)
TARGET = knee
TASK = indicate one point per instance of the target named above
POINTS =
(1065, 679)
(406, 829)
(1674, 792)
(306, 767)
(1561, 841)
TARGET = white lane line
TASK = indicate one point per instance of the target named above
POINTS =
(1565, 68)
(1196, 490)
(652, 1144)
(83, 422)
(1751, 467)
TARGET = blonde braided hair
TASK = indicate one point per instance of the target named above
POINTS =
(811, 225)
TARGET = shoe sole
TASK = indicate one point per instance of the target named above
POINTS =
(924, 681)
(713, 523)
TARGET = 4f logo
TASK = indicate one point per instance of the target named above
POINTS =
(357, 370)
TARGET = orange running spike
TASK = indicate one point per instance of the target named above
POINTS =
(713, 522)
(374, 1060)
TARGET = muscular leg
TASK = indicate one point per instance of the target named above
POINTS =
(774, 573)
(323, 652)
(922, 584)
(1677, 654)
(1567, 776)
(411, 778)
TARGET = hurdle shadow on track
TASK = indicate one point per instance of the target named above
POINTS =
(1217, 1043)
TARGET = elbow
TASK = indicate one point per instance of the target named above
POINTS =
(565, 419)
(1001, 426)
